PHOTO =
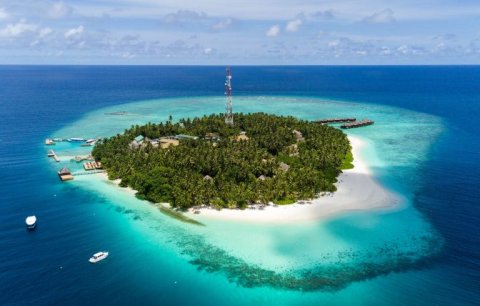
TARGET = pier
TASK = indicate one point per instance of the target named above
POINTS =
(357, 124)
(88, 173)
(53, 155)
(335, 120)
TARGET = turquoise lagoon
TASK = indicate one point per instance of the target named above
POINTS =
(331, 260)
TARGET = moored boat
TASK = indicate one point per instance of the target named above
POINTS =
(98, 257)
(31, 222)
(49, 142)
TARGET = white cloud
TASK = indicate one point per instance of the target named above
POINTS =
(294, 25)
(44, 32)
(184, 16)
(223, 24)
(60, 10)
(18, 29)
(273, 31)
(207, 50)
(74, 32)
(384, 16)
(3, 14)
(324, 15)
(128, 55)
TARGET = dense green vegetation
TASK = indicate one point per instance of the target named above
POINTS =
(274, 164)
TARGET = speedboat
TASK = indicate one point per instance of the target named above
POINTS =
(98, 257)
(31, 222)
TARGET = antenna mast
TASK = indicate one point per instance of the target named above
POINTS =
(228, 96)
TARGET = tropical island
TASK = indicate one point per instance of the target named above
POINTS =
(203, 161)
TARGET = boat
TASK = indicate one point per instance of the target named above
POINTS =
(91, 140)
(98, 257)
(49, 142)
(51, 153)
(31, 222)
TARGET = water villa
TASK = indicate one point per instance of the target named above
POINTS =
(65, 175)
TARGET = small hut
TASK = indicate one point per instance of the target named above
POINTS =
(283, 167)
(262, 177)
(65, 174)
(208, 178)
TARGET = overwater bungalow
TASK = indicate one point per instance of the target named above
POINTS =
(65, 174)
(49, 142)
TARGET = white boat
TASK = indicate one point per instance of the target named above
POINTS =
(91, 140)
(31, 222)
(49, 142)
(98, 257)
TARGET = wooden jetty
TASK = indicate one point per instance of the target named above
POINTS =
(65, 175)
(87, 173)
(53, 155)
(335, 120)
(356, 124)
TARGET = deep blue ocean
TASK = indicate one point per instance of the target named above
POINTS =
(47, 266)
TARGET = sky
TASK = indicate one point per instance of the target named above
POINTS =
(240, 32)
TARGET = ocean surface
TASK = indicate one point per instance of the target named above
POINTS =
(424, 146)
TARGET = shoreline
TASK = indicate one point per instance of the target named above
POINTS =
(357, 190)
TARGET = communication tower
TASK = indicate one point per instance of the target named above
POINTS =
(228, 96)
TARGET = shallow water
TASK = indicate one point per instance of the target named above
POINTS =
(342, 250)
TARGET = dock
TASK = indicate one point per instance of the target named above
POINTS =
(53, 155)
(87, 173)
(335, 120)
(357, 124)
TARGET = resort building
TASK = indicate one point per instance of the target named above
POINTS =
(242, 136)
(65, 175)
(183, 137)
(166, 142)
(136, 142)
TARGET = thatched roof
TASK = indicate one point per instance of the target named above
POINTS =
(208, 178)
(64, 171)
(262, 177)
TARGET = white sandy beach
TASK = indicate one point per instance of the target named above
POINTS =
(357, 190)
